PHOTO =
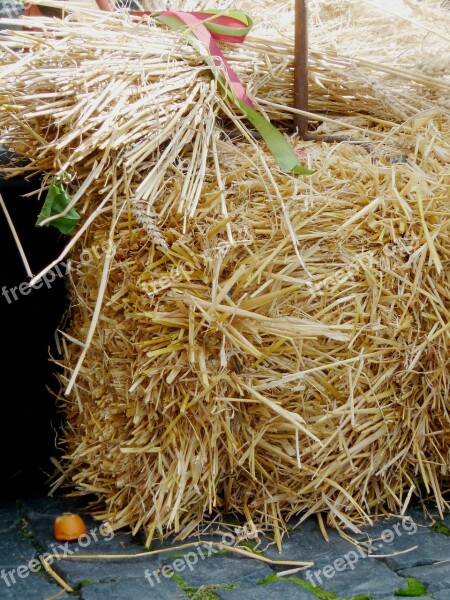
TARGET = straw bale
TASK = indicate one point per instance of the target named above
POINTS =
(241, 339)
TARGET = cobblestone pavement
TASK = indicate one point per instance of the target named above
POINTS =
(408, 558)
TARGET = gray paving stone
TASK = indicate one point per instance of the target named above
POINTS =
(423, 515)
(41, 513)
(133, 589)
(424, 547)
(15, 550)
(406, 544)
(98, 540)
(420, 518)
(309, 544)
(33, 587)
(9, 517)
(415, 598)
(41, 517)
(222, 569)
(48, 505)
(125, 579)
(363, 576)
(435, 577)
(397, 526)
(75, 571)
(281, 590)
(172, 543)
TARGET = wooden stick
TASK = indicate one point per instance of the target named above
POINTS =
(301, 67)
(301, 79)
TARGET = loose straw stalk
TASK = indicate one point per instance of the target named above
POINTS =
(93, 557)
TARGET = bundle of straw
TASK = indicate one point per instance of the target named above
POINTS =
(241, 338)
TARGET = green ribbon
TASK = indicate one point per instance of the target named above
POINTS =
(201, 33)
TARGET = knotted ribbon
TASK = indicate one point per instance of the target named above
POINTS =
(202, 29)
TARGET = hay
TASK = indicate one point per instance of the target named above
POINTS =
(242, 339)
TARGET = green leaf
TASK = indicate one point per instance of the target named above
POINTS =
(56, 200)
(279, 146)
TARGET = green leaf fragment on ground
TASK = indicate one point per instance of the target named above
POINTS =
(415, 588)
(250, 547)
(24, 529)
(201, 593)
(56, 200)
(440, 528)
(86, 582)
(318, 592)
(294, 529)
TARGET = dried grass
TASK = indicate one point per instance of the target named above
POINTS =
(251, 341)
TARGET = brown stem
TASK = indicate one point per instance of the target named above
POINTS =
(301, 80)
(301, 67)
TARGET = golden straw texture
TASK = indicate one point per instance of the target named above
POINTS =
(240, 338)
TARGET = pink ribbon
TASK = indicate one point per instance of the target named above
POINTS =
(194, 20)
